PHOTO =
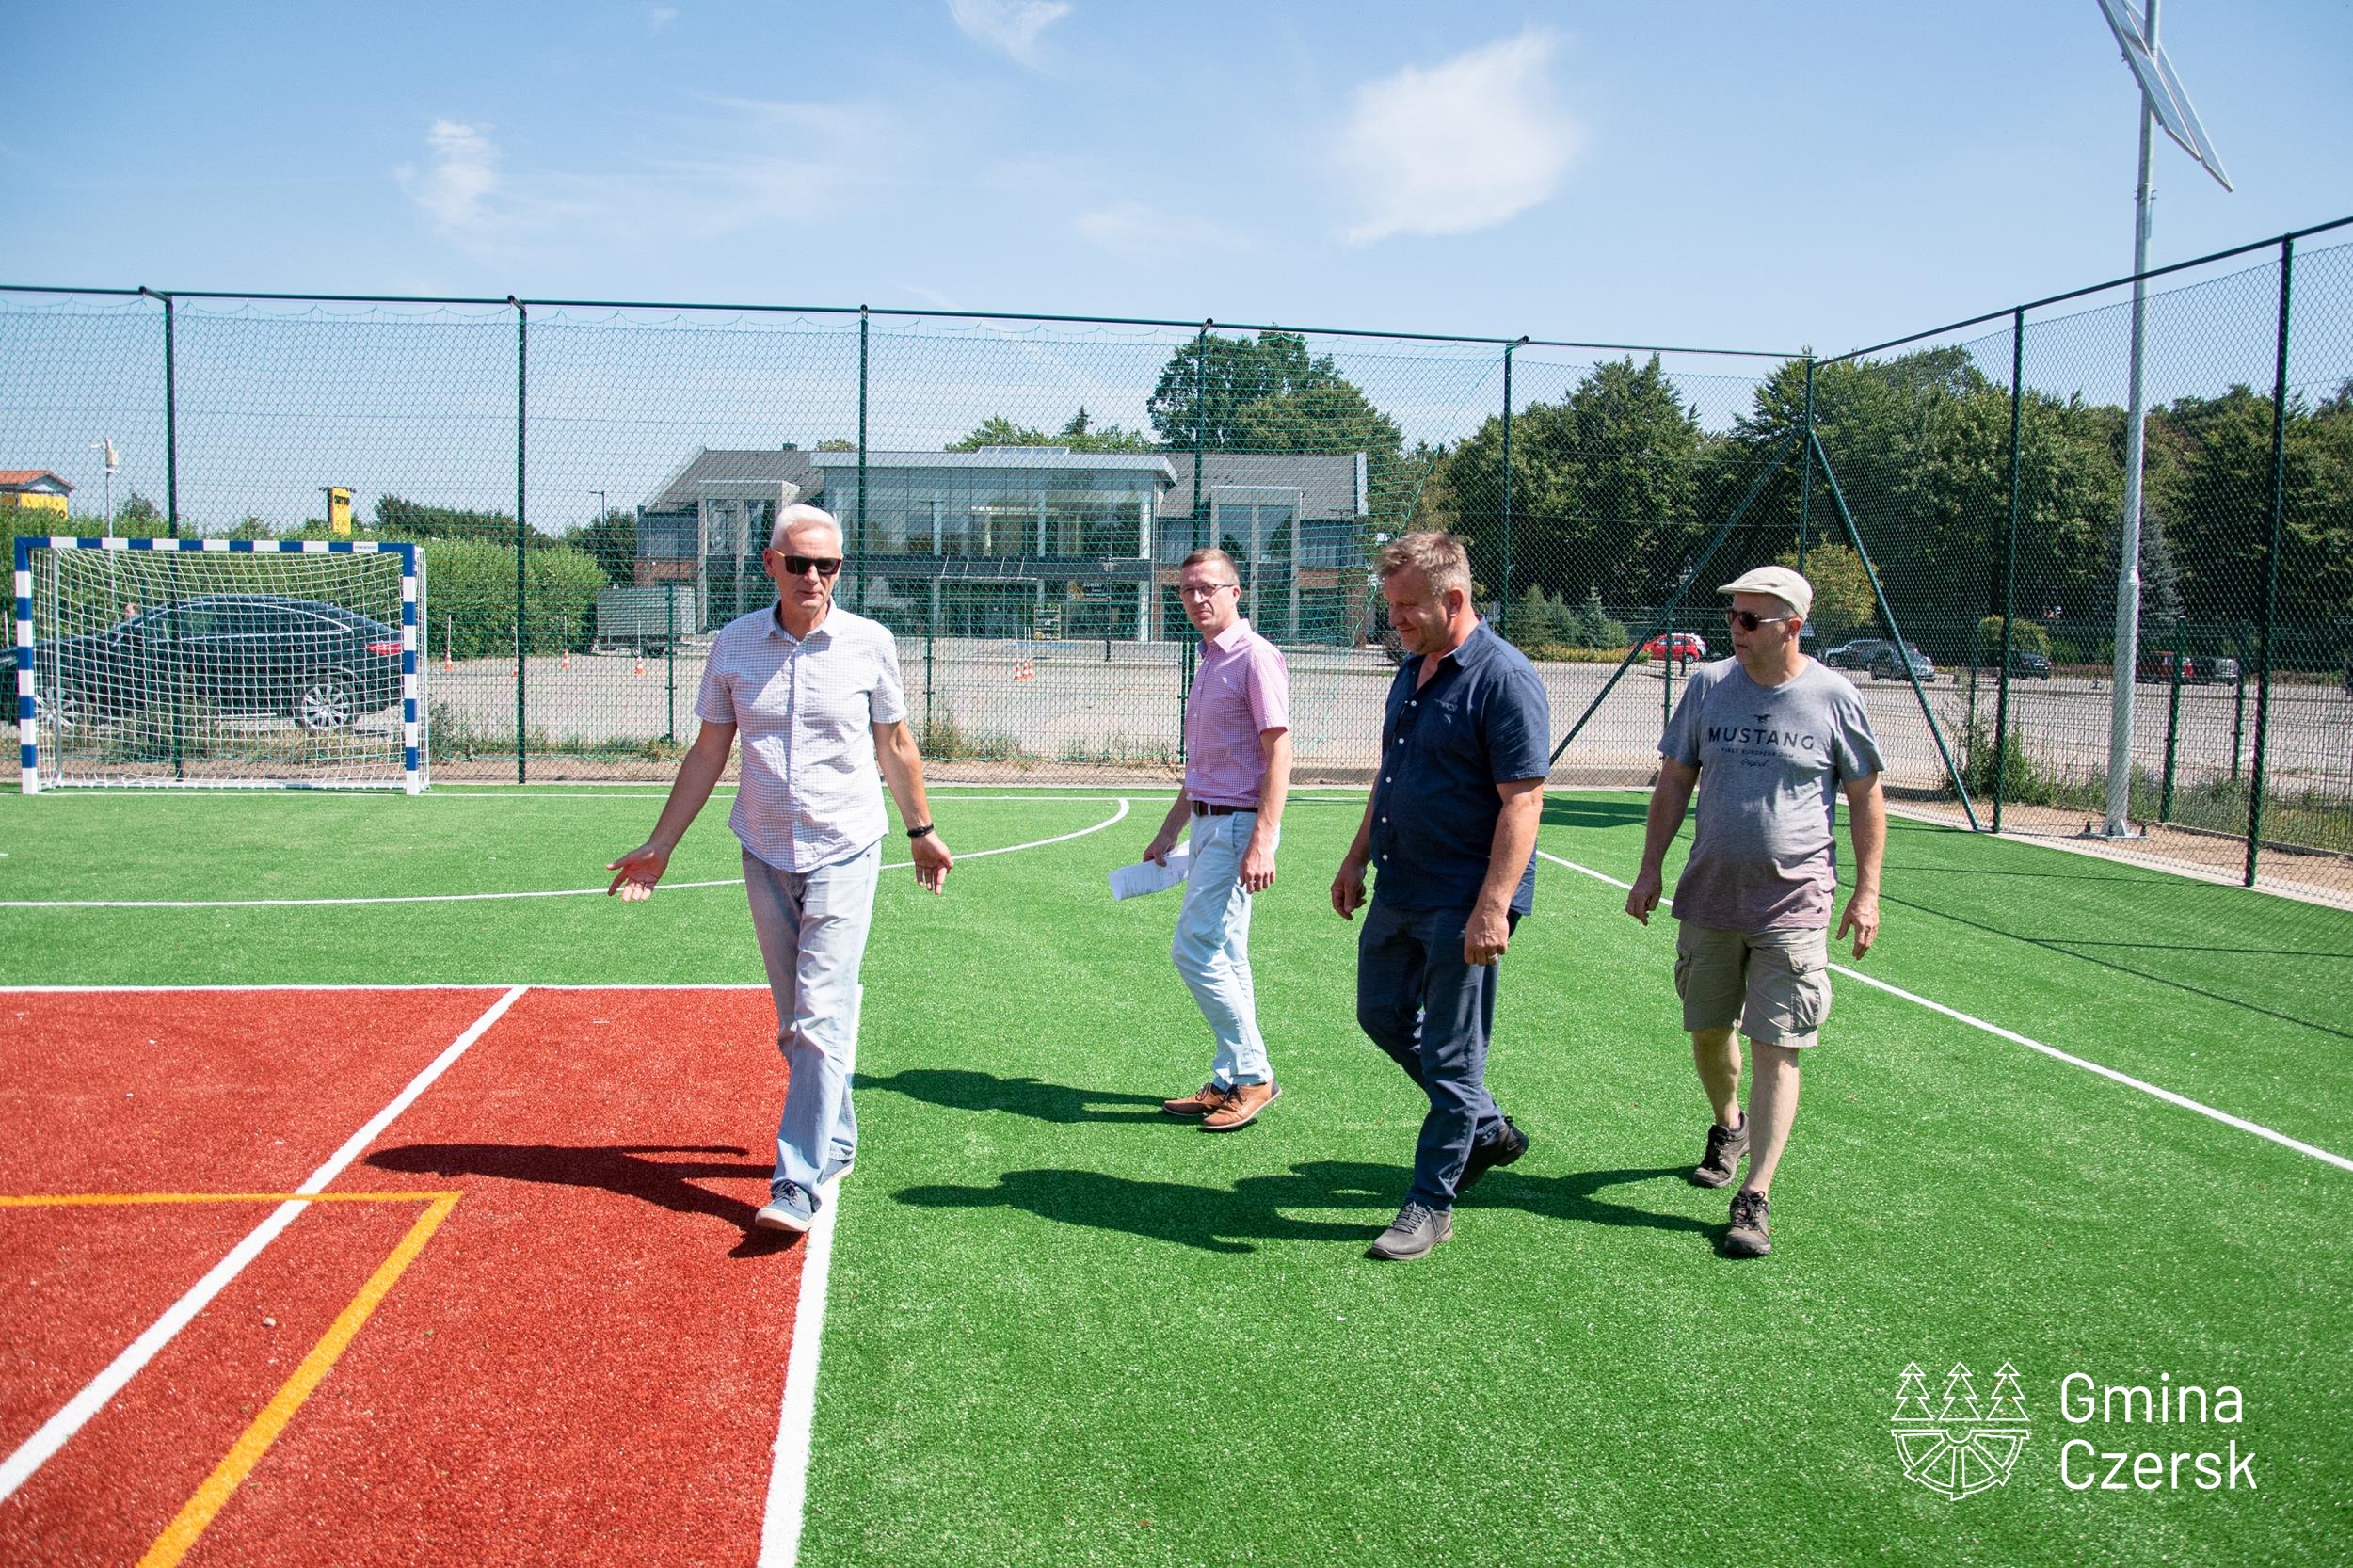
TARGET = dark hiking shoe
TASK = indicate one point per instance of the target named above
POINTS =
(1747, 1238)
(1721, 1162)
(1416, 1228)
(1501, 1149)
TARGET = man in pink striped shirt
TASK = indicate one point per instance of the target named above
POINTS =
(1238, 767)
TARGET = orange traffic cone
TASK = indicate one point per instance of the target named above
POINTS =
(445, 658)
(1024, 670)
(641, 666)
(567, 660)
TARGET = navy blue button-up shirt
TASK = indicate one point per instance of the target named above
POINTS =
(1481, 721)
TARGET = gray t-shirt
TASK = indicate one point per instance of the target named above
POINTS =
(1771, 760)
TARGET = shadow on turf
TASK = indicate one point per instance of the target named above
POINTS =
(620, 1168)
(1575, 810)
(963, 1090)
(1261, 1208)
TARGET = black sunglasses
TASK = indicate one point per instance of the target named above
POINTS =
(799, 565)
(1748, 620)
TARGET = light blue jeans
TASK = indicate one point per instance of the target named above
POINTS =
(1212, 947)
(813, 930)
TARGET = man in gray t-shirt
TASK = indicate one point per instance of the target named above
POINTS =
(1779, 738)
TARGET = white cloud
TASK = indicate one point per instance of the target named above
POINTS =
(662, 16)
(781, 160)
(1011, 25)
(1465, 144)
(460, 179)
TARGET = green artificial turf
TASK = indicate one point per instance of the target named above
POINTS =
(1064, 1328)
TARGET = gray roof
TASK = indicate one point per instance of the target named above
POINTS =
(1333, 483)
(1008, 458)
(735, 474)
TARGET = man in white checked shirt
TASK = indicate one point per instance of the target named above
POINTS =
(814, 692)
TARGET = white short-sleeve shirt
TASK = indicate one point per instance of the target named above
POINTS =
(804, 712)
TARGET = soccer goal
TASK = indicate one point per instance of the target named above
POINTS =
(219, 664)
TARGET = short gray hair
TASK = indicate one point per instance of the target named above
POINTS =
(796, 514)
(1209, 555)
(1441, 558)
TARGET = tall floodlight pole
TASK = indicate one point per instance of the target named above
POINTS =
(2163, 102)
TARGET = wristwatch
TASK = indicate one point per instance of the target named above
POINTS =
(922, 831)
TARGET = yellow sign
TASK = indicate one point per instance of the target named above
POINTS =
(338, 509)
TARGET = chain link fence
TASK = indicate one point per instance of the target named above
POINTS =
(593, 484)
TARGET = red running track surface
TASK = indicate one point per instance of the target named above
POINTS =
(585, 1363)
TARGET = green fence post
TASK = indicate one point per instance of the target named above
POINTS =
(2172, 727)
(171, 518)
(2010, 561)
(669, 661)
(2271, 566)
(522, 640)
(1503, 607)
(861, 462)
(1805, 480)
(1200, 448)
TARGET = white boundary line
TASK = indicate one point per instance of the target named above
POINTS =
(2015, 1037)
(35, 1450)
(797, 1420)
(481, 898)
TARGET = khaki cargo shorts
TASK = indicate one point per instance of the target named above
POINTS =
(1773, 984)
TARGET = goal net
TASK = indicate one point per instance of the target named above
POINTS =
(226, 663)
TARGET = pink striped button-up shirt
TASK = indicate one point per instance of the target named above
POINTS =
(1242, 688)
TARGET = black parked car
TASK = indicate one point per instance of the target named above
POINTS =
(317, 664)
(2030, 664)
(1858, 654)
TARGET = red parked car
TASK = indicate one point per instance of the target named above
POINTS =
(1682, 647)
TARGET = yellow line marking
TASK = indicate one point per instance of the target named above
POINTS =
(209, 1498)
(83, 1200)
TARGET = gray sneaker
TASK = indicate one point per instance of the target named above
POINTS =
(1722, 1163)
(791, 1210)
(1747, 1238)
(1416, 1228)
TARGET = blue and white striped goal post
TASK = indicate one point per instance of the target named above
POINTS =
(27, 720)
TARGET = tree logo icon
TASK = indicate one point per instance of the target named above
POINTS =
(1960, 1446)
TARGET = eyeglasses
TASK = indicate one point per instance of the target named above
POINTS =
(1748, 620)
(1204, 590)
(800, 565)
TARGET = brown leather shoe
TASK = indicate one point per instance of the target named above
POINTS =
(1242, 1107)
(1208, 1097)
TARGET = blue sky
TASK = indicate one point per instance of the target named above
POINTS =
(1747, 174)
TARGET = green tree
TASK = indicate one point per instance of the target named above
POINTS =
(1081, 434)
(1604, 487)
(611, 541)
(1268, 393)
(1843, 602)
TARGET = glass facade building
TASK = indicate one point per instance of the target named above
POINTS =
(1029, 542)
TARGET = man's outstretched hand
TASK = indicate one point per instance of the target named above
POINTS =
(635, 873)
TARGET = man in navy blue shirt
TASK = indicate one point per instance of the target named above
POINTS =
(1450, 836)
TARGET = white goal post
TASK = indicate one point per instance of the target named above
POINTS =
(220, 663)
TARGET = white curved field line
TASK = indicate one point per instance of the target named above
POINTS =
(2055, 1054)
(481, 898)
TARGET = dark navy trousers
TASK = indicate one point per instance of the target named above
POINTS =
(1419, 1002)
